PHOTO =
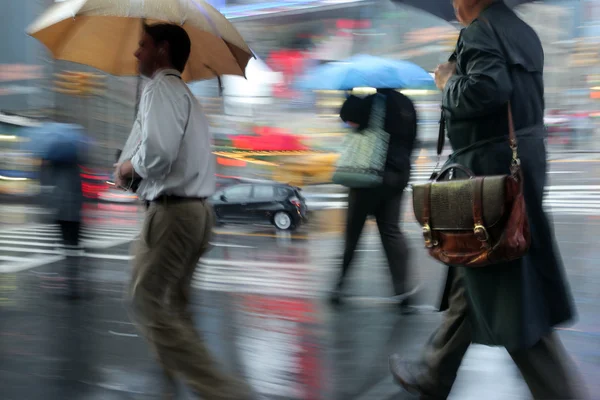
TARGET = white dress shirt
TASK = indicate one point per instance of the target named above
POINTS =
(173, 153)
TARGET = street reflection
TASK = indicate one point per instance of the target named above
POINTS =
(279, 346)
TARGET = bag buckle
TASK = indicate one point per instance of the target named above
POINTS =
(515, 162)
(481, 234)
(428, 236)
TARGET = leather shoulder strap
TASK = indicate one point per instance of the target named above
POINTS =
(511, 126)
(441, 135)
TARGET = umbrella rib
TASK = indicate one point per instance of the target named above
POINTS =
(208, 67)
(208, 19)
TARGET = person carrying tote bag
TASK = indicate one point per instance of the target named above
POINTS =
(375, 165)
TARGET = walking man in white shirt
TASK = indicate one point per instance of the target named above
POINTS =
(177, 170)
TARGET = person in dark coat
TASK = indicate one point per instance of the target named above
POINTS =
(67, 201)
(499, 59)
(383, 202)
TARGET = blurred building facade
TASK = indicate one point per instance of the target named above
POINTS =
(22, 60)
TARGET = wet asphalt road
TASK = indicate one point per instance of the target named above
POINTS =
(260, 305)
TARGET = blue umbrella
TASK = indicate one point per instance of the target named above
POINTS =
(366, 71)
(58, 142)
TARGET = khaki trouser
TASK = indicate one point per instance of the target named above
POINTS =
(172, 240)
(546, 367)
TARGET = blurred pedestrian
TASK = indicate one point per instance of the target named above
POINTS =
(498, 63)
(384, 202)
(66, 200)
(173, 158)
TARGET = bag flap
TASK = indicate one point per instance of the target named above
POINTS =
(452, 203)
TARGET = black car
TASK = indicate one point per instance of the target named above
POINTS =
(265, 202)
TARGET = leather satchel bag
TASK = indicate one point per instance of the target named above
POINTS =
(476, 221)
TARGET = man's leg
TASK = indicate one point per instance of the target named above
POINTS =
(548, 371)
(435, 374)
(169, 249)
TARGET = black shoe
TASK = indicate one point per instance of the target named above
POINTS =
(407, 306)
(406, 301)
(336, 297)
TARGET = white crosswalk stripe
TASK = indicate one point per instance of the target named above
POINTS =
(31, 246)
(28, 246)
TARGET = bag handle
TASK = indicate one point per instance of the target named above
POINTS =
(378, 111)
(452, 167)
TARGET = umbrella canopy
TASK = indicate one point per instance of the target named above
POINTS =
(58, 142)
(443, 8)
(366, 71)
(104, 34)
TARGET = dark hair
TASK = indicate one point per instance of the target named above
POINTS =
(400, 111)
(178, 40)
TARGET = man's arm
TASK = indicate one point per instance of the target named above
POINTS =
(164, 126)
(486, 84)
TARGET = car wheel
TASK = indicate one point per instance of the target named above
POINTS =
(282, 221)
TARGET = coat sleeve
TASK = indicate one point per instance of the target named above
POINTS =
(454, 54)
(483, 82)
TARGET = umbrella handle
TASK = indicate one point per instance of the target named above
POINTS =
(218, 79)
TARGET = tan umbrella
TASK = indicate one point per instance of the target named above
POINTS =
(104, 34)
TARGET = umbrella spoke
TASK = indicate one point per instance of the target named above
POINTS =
(207, 18)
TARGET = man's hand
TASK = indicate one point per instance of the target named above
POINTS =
(443, 72)
(126, 170)
(124, 174)
(119, 181)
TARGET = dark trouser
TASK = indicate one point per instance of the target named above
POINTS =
(545, 366)
(70, 236)
(385, 204)
(174, 237)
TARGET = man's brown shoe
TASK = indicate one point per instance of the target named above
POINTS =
(402, 372)
(407, 374)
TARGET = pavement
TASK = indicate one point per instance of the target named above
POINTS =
(260, 305)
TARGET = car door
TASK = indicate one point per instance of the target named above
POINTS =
(263, 204)
(232, 205)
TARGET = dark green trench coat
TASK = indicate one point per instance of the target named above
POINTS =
(500, 59)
